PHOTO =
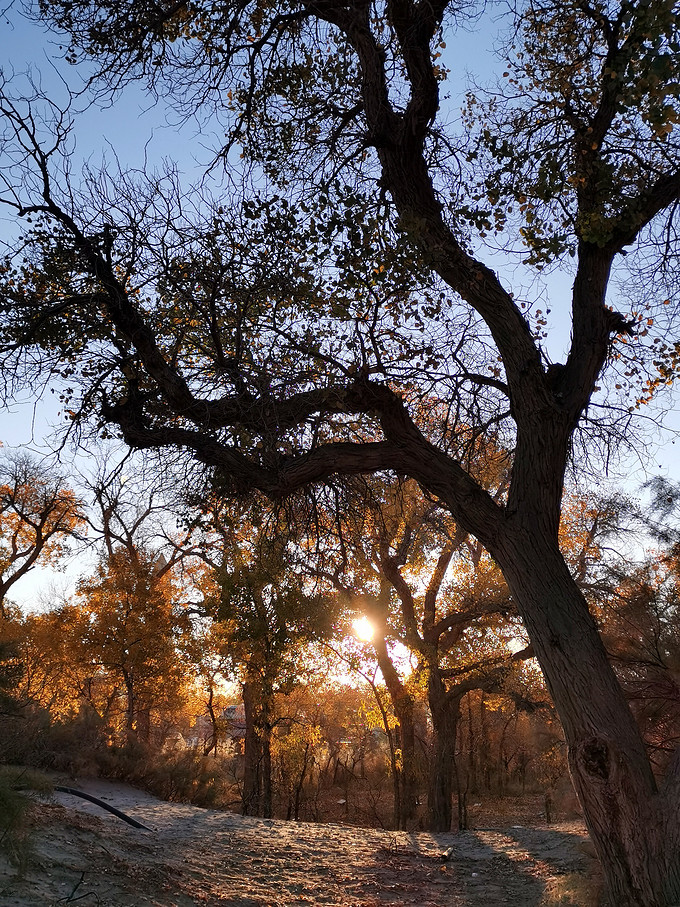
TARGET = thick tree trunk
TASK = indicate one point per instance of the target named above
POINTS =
(444, 710)
(256, 799)
(635, 835)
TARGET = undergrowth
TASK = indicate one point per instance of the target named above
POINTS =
(16, 803)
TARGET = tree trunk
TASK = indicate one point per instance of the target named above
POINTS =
(143, 725)
(444, 710)
(250, 798)
(256, 799)
(402, 703)
(408, 766)
(128, 681)
(635, 832)
(472, 754)
(210, 746)
(266, 765)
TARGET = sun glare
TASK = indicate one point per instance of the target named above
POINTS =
(363, 629)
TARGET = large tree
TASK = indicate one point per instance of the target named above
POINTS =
(223, 337)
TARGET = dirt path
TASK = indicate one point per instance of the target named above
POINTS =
(193, 856)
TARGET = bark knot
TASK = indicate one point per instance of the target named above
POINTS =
(595, 754)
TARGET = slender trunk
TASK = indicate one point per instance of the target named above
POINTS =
(394, 742)
(300, 782)
(635, 834)
(461, 794)
(266, 766)
(402, 703)
(128, 680)
(210, 746)
(484, 745)
(472, 755)
(250, 798)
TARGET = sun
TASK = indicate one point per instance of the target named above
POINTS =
(363, 629)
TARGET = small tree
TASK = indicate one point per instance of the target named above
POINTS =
(267, 612)
(131, 630)
(38, 516)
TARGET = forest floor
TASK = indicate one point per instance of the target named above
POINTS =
(190, 856)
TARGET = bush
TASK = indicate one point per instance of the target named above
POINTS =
(182, 776)
(15, 809)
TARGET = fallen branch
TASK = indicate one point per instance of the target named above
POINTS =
(98, 802)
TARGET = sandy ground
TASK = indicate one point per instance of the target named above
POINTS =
(190, 856)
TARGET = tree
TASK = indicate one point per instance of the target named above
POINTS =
(131, 629)
(266, 614)
(121, 646)
(38, 515)
(421, 582)
(452, 603)
(358, 526)
(205, 338)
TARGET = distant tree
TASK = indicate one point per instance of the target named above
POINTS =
(130, 629)
(402, 563)
(121, 646)
(39, 514)
(266, 612)
(11, 672)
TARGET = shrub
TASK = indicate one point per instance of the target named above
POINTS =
(15, 809)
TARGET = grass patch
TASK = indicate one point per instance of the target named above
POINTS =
(574, 889)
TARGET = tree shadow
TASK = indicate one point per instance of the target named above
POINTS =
(516, 866)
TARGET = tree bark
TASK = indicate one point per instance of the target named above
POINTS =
(256, 799)
(266, 772)
(444, 710)
(250, 798)
(210, 746)
(635, 832)
(299, 784)
(128, 681)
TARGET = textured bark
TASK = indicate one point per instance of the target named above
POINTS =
(256, 799)
(629, 820)
(445, 710)
(251, 796)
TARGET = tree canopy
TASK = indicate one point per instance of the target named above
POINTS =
(339, 313)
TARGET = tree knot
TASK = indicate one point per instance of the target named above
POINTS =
(595, 754)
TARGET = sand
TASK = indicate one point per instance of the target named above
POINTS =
(190, 856)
